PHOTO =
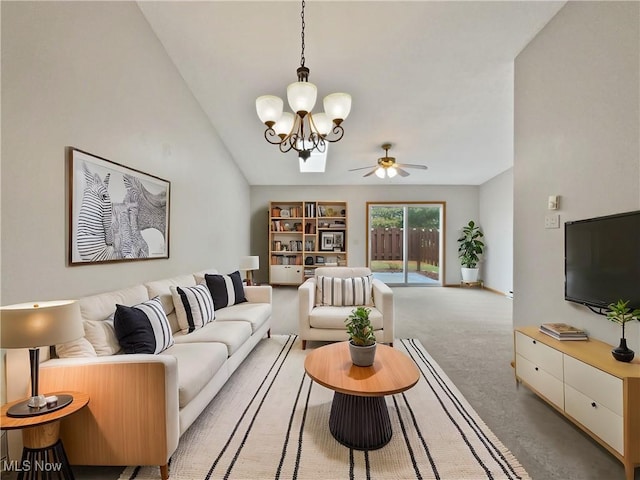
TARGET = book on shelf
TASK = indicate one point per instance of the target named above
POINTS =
(563, 331)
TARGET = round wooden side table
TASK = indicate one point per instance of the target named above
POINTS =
(43, 454)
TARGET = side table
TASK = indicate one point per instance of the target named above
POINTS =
(43, 454)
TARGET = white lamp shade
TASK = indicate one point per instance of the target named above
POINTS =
(38, 324)
(284, 125)
(302, 96)
(380, 172)
(322, 122)
(391, 172)
(337, 105)
(269, 108)
(250, 263)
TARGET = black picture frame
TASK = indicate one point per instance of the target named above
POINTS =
(332, 241)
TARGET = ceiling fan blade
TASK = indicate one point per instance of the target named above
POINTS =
(411, 165)
(359, 168)
(401, 172)
(371, 172)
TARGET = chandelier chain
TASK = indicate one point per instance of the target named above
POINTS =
(302, 59)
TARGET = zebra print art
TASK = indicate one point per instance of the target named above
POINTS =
(117, 213)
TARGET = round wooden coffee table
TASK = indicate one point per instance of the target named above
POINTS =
(359, 416)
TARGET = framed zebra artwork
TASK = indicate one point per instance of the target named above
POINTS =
(116, 213)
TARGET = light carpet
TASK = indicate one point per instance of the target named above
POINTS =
(271, 421)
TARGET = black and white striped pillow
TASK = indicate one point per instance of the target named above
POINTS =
(143, 328)
(340, 292)
(226, 290)
(194, 306)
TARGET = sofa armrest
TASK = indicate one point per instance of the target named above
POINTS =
(133, 414)
(383, 300)
(306, 302)
(258, 293)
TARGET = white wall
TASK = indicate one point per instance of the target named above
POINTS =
(496, 218)
(94, 76)
(461, 206)
(577, 116)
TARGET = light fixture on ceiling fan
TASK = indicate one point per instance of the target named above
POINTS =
(387, 166)
(303, 131)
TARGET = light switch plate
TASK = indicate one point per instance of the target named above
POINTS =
(552, 221)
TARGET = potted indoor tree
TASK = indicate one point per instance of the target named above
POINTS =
(620, 313)
(362, 339)
(470, 247)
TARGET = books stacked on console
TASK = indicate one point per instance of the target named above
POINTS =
(562, 331)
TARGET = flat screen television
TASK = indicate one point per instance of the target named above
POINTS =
(602, 260)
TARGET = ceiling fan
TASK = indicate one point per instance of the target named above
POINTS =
(388, 167)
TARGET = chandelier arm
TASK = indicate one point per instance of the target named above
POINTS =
(270, 132)
(337, 130)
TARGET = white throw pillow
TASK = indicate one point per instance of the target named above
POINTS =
(338, 292)
(194, 307)
(77, 348)
(102, 336)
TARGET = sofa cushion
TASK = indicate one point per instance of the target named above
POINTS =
(194, 307)
(254, 313)
(102, 335)
(197, 365)
(334, 317)
(199, 276)
(226, 290)
(338, 292)
(162, 289)
(101, 306)
(232, 334)
(77, 348)
(143, 328)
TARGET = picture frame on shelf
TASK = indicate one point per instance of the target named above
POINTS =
(326, 241)
(137, 205)
(319, 259)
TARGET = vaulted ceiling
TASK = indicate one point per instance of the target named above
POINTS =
(435, 79)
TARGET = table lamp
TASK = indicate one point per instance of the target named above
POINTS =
(249, 264)
(35, 325)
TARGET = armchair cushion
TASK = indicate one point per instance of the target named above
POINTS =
(334, 317)
(338, 292)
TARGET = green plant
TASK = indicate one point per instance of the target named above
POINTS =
(619, 313)
(359, 327)
(470, 245)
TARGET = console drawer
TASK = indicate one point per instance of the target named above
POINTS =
(603, 388)
(595, 416)
(543, 356)
(540, 380)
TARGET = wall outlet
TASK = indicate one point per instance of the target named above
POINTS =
(552, 221)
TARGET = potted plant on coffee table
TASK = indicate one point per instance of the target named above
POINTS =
(620, 313)
(470, 247)
(362, 339)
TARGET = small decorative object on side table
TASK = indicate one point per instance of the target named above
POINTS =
(43, 453)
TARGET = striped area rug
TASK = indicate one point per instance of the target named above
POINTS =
(271, 421)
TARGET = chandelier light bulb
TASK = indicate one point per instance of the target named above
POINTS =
(337, 106)
(284, 125)
(269, 108)
(392, 172)
(380, 172)
(322, 123)
(302, 97)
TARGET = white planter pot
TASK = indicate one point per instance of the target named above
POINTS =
(469, 275)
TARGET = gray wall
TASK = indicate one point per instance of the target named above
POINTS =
(577, 116)
(94, 76)
(462, 205)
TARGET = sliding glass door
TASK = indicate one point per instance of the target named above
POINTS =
(405, 242)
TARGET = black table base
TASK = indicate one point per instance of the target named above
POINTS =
(361, 423)
(45, 463)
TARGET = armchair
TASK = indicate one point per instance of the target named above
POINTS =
(326, 322)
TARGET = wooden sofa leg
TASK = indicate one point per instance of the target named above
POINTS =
(304, 344)
(164, 471)
(391, 344)
(269, 333)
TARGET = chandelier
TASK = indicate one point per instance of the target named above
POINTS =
(303, 131)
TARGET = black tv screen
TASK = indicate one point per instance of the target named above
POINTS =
(602, 260)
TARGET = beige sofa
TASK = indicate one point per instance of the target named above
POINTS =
(140, 404)
(317, 321)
